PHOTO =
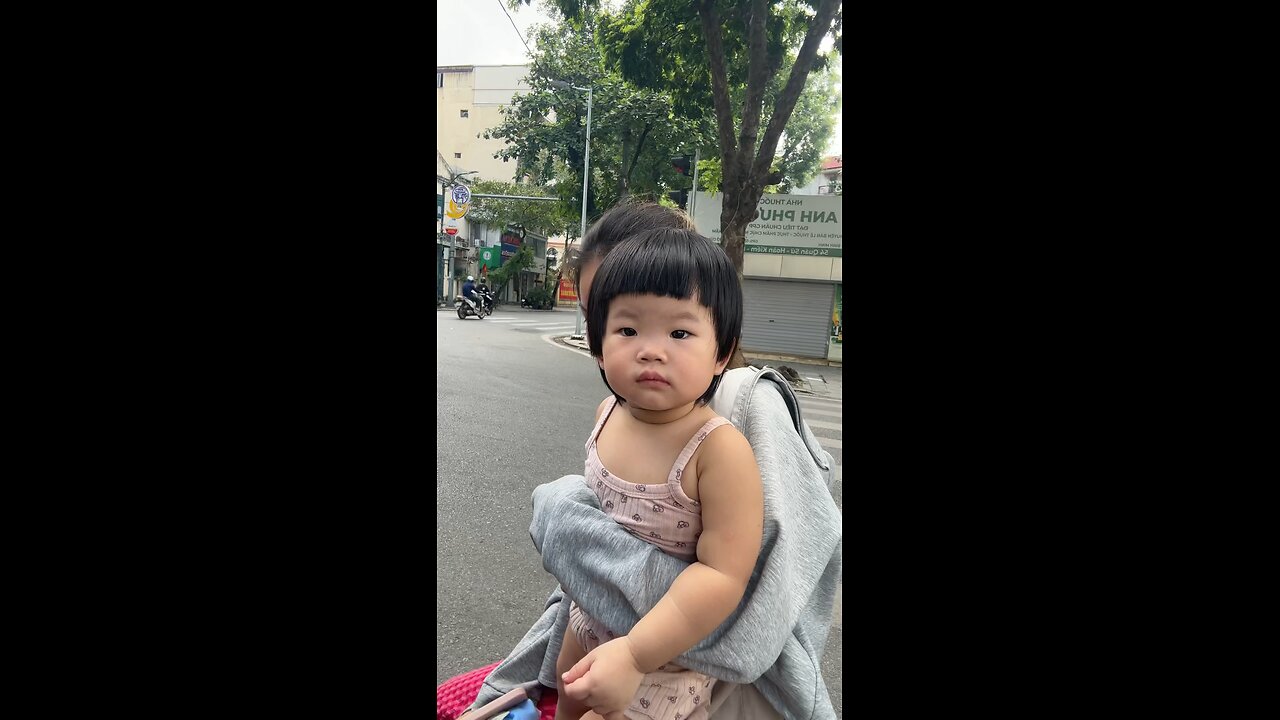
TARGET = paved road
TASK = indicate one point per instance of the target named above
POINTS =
(513, 412)
(560, 321)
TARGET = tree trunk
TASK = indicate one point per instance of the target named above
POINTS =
(741, 196)
(746, 158)
(624, 177)
(733, 234)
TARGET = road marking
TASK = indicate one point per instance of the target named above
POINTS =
(819, 403)
(571, 349)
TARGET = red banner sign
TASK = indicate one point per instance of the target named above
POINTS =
(567, 292)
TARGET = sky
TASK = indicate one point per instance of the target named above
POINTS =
(478, 32)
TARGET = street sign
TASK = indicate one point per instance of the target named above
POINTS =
(457, 211)
(490, 257)
(461, 194)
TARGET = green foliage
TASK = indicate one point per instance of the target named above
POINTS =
(541, 297)
(680, 51)
(633, 131)
(522, 259)
(539, 216)
(710, 175)
(659, 44)
(809, 130)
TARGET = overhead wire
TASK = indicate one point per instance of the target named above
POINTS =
(513, 24)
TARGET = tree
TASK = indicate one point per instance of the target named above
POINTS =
(705, 48)
(804, 142)
(540, 216)
(633, 131)
(498, 279)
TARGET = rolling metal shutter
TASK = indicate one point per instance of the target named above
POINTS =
(787, 318)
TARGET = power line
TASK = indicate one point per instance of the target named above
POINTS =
(513, 24)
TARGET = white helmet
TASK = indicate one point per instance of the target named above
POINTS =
(470, 278)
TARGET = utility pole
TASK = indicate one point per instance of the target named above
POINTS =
(447, 185)
(586, 173)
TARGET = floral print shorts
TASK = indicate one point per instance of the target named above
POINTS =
(672, 694)
(669, 693)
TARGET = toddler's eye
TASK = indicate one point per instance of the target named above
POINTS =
(679, 334)
(627, 332)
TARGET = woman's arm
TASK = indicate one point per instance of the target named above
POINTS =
(615, 576)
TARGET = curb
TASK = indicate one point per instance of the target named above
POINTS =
(792, 358)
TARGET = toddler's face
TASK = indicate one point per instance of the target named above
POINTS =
(659, 352)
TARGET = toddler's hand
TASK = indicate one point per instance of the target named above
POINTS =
(606, 680)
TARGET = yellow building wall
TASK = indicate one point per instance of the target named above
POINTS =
(457, 135)
(482, 91)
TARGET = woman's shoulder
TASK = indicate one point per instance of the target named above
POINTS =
(731, 385)
(741, 387)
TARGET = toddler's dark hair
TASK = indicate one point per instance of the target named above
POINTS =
(669, 263)
(618, 224)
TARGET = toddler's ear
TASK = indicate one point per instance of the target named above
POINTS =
(721, 364)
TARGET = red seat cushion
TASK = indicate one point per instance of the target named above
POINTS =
(456, 694)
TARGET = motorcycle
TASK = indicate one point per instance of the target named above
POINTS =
(467, 307)
(486, 297)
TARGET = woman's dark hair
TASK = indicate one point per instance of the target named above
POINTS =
(669, 263)
(618, 224)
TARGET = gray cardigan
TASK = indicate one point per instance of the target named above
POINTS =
(775, 639)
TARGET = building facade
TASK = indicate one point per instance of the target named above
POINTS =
(828, 181)
(468, 102)
(793, 273)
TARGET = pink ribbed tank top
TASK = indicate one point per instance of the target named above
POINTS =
(659, 514)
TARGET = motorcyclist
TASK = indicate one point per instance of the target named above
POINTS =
(469, 291)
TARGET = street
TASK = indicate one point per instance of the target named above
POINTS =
(513, 412)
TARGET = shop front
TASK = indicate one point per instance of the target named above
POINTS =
(792, 273)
